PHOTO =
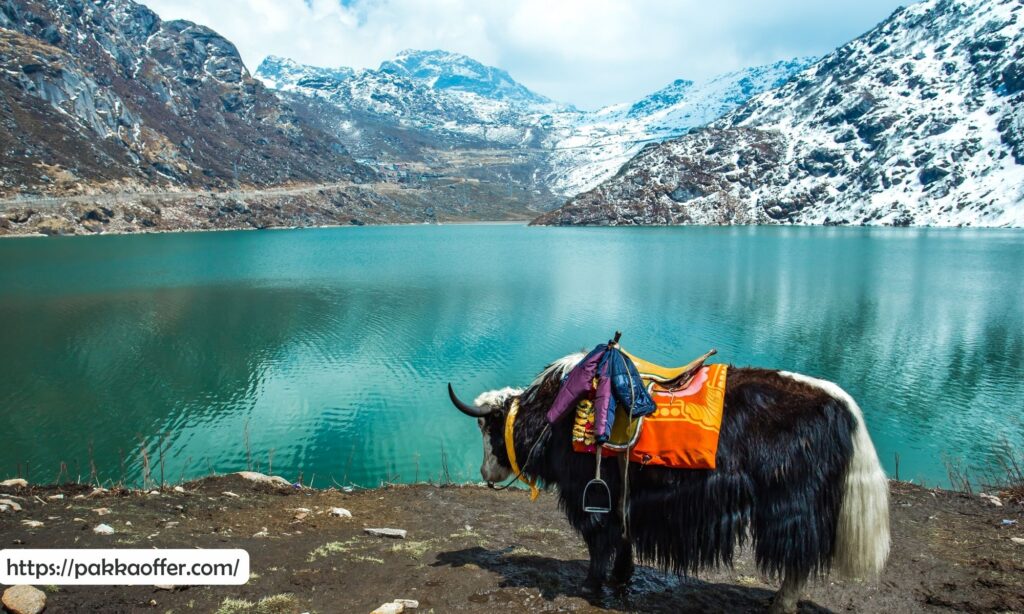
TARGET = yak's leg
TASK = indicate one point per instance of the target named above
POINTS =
(622, 569)
(600, 548)
(785, 601)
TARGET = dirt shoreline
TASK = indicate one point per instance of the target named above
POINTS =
(472, 549)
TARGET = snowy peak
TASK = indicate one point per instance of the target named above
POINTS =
(596, 145)
(665, 97)
(707, 100)
(444, 70)
(284, 73)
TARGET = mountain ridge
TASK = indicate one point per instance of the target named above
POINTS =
(578, 148)
(917, 122)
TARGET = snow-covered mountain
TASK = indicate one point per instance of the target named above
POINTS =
(454, 72)
(593, 146)
(918, 122)
(282, 73)
(445, 93)
(449, 96)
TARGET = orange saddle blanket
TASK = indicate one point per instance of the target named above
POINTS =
(683, 432)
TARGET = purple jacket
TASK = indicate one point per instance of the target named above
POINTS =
(577, 384)
(617, 382)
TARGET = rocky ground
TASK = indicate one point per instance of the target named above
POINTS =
(472, 549)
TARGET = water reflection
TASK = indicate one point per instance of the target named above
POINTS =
(328, 350)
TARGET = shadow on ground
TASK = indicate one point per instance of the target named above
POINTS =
(650, 590)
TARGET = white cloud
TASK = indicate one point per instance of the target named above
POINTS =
(588, 52)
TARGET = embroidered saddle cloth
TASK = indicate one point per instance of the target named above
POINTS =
(682, 433)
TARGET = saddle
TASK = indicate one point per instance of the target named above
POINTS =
(626, 430)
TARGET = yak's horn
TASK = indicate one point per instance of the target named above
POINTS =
(470, 410)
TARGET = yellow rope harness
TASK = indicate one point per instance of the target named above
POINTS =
(510, 448)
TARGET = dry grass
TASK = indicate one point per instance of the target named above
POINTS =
(275, 604)
(1006, 479)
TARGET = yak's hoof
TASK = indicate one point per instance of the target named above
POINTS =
(621, 579)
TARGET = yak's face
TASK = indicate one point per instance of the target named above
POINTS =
(495, 466)
(491, 408)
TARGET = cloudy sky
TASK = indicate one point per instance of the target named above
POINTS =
(586, 52)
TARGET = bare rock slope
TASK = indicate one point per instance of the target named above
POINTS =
(105, 95)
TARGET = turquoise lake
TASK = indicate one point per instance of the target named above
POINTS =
(325, 352)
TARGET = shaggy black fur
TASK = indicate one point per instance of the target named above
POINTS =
(782, 457)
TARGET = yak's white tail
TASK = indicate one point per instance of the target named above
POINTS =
(862, 539)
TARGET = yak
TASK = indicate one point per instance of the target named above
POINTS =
(797, 477)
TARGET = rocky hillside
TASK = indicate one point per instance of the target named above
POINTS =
(101, 95)
(917, 122)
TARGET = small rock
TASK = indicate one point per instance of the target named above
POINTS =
(392, 533)
(4, 508)
(301, 509)
(262, 533)
(152, 492)
(266, 479)
(179, 489)
(14, 483)
(99, 490)
(24, 599)
(56, 497)
(32, 524)
(11, 504)
(164, 587)
(301, 515)
(103, 529)
(228, 493)
(340, 512)
(389, 608)
(1018, 540)
(994, 500)
(408, 604)
(128, 523)
(102, 511)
